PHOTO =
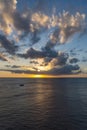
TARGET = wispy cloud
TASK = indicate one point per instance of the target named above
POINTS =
(3, 57)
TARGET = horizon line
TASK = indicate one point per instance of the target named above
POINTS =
(46, 76)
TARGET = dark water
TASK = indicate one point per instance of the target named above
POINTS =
(43, 104)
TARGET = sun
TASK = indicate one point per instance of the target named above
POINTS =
(38, 70)
(38, 76)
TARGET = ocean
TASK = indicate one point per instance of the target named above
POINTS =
(43, 104)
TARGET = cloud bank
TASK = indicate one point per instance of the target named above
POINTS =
(30, 26)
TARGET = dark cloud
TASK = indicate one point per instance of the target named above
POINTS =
(73, 60)
(34, 62)
(47, 60)
(21, 23)
(54, 37)
(67, 69)
(8, 45)
(32, 53)
(35, 69)
(34, 37)
(20, 71)
(49, 46)
(73, 52)
(62, 59)
(49, 50)
(59, 60)
(15, 66)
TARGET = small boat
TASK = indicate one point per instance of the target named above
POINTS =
(21, 84)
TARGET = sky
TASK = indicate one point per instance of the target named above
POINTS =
(43, 37)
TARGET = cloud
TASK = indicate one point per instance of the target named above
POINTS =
(34, 62)
(13, 20)
(3, 58)
(32, 53)
(50, 58)
(60, 60)
(40, 19)
(49, 46)
(7, 7)
(67, 69)
(29, 22)
(11, 5)
(19, 71)
(21, 22)
(8, 45)
(67, 25)
(32, 25)
(46, 61)
(15, 66)
(73, 60)
(35, 37)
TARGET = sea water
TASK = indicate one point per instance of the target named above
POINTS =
(43, 104)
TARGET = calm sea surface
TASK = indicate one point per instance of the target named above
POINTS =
(43, 104)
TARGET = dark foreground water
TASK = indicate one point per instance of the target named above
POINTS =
(43, 104)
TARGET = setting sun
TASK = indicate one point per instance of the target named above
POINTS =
(38, 76)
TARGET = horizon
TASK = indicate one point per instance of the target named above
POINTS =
(45, 76)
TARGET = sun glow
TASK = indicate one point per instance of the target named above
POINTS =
(38, 76)
(42, 76)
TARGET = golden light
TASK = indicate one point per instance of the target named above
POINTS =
(41, 76)
(38, 70)
(38, 76)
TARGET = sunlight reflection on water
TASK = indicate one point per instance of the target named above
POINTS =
(44, 104)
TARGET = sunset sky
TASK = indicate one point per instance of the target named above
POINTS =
(43, 37)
